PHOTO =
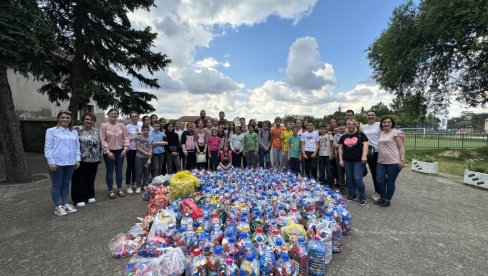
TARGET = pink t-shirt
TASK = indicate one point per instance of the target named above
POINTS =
(214, 143)
(388, 152)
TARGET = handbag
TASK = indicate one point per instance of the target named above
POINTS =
(371, 152)
(201, 157)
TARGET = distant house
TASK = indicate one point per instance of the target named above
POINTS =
(187, 119)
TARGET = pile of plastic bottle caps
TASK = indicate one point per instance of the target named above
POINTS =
(240, 222)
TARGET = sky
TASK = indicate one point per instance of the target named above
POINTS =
(266, 58)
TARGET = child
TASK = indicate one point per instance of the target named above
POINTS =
(143, 158)
(201, 136)
(277, 143)
(325, 150)
(294, 150)
(339, 175)
(171, 149)
(158, 149)
(189, 147)
(225, 158)
(236, 147)
(287, 133)
(310, 148)
(264, 146)
(250, 147)
(214, 146)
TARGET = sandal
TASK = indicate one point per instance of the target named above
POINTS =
(111, 195)
(120, 193)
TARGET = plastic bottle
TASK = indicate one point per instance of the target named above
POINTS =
(275, 234)
(317, 257)
(259, 233)
(215, 261)
(250, 265)
(299, 254)
(187, 221)
(280, 247)
(197, 265)
(217, 234)
(284, 266)
(207, 225)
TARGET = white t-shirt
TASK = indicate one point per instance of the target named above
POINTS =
(310, 139)
(373, 134)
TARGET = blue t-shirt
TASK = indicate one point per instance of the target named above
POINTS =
(295, 146)
(157, 136)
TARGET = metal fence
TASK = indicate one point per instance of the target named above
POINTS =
(445, 140)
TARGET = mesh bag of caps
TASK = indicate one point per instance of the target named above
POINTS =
(242, 222)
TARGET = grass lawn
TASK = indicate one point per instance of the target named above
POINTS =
(439, 141)
(451, 161)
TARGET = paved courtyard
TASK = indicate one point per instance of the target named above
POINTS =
(435, 226)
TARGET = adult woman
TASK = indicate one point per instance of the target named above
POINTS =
(62, 151)
(372, 131)
(133, 131)
(353, 148)
(115, 145)
(391, 160)
(83, 180)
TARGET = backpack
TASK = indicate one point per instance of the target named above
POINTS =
(190, 143)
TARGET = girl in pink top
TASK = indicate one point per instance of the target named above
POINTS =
(225, 158)
(214, 147)
(115, 145)
(391, 159)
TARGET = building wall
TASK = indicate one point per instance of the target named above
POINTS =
(30, 104)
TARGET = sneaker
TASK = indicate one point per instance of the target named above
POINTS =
(138, 190)
(129, 190)
(120, 193)
(351, 197)
(70, 208)
(379, 201)
(80, 204)
(385, 203)
(375, 196)
(60, 211)
(92, 200)
(362, 202)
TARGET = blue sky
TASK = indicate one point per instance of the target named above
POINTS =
(266, 58)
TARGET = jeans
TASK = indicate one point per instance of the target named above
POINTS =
(354, 178)
(60, 180)
(372, 161)
(325, 170)
(310, 166)
(173, 162)
(83, 182)
(110, 165)
(130, 171)
(295, 165)
(191, 160)
(277, 158)
(251, 159)
(284, 161)
(214, 160)
(386, 175)
(157, 164)
(142, 171)
(264, 160)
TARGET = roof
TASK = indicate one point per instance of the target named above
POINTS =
(191, 118)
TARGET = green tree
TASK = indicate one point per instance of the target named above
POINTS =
(439, 43)
(381, 109)
(26, 43)
(100, 52)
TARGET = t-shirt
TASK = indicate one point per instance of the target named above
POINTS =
(324, 144)
(352, 146)
(132, 131)
(201, 136)
(373, 134)
(276, 137)
(157, 136)
(188, 140)
(295, 146)
(214, 143)
(388, 149)
(250, 142)
(264, 139)
(145, 144)
(236, 141)
(284, 137)
(310, 139)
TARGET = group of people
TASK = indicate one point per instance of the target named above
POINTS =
(335, 155)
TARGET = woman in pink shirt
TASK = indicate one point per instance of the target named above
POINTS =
(213, 149)
(115, 145)
(391, 159)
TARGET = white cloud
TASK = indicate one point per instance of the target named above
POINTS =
(305, 70)
(210, 62)
(206, 80)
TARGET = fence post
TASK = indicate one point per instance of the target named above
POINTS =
(415, 141)
(462, 141)
(438, 140)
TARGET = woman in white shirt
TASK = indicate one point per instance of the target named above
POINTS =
(62, 151)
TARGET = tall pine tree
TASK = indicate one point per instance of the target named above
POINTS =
(101, 54)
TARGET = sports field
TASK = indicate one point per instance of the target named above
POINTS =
(440, 141)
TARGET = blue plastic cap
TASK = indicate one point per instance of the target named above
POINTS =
(284, 257)
(250, 257)
(182, 229)
(259, 239)
(279, 242)
(232, 239)
(301, 239)
(218, 249)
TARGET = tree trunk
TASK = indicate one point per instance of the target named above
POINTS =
(16, 165)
